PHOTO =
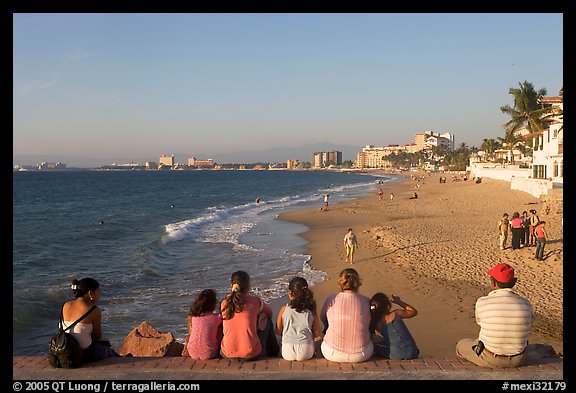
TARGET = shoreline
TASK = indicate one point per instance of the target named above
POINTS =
(277, 303)
(434, 252)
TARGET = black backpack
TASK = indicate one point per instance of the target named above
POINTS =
(64, 350)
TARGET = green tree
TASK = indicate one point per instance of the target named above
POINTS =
(510, 141)
(527, 111)
(439, 152)
(490, 146)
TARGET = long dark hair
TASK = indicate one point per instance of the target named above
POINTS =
(205, 301)
(240, 281)
(303, 296)
(379, 306)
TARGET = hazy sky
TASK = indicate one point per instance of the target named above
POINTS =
(137, 85)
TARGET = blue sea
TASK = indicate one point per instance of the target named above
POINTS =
(165, 236)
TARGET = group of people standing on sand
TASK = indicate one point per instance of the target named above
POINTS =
(348, 328)
(527, 230)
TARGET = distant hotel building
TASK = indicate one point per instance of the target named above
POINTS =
(167, 160)
(209, 163)
(292, 164)
(429, 140)
(326, 158)
(373, 157)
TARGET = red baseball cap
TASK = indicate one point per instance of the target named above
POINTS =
(502, 272)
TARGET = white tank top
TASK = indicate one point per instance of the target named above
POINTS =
(81, 332)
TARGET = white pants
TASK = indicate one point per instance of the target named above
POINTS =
(297, 351)
(342, 357)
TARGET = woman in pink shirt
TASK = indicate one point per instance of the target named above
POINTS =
(346, 317)
(243, 340)
(204, 327)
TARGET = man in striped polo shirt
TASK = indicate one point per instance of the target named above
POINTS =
(505, 320)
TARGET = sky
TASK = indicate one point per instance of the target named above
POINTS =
(122, 86)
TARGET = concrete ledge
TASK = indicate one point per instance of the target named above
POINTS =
(183, 368)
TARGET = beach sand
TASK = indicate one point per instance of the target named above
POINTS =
(434, 253)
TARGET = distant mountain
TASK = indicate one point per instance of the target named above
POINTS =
(278, 154)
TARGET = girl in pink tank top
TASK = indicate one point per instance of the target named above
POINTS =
(204, 327)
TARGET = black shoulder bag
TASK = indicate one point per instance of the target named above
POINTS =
(64, 350)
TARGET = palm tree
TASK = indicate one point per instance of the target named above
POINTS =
(489, 146)
(527, 111)
(511, 141)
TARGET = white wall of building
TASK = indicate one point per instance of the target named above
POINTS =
(497, 171)
(550, 152)
(535, 187)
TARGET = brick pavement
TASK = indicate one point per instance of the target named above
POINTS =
(183, 368)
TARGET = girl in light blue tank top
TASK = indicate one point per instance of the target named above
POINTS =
(298, 322)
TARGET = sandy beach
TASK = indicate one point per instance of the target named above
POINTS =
(434, 252)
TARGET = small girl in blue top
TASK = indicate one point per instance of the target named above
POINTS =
(390, 335)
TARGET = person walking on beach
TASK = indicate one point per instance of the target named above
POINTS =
(346, 318)
(381, 194)
(541, 236)
(243, 338)
(298, 322)
(204, 327)
(517, 227)
(505, 320)
(503, 229)
(326, 197)
(350, 244)
(389, 333)
(88, 331)
(391, 195)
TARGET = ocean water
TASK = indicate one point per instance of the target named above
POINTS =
(165, 237)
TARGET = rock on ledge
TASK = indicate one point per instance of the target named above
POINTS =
(144, 341)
